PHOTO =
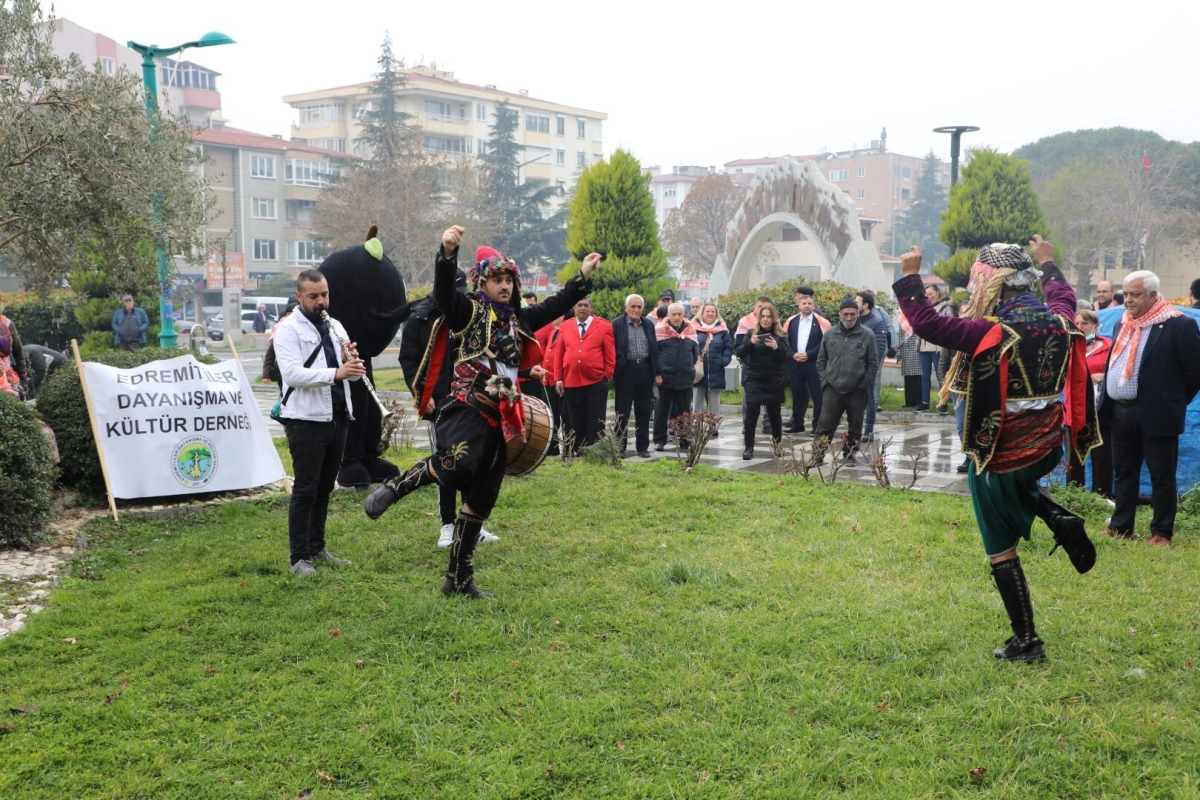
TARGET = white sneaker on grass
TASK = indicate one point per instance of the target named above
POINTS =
(446, 538)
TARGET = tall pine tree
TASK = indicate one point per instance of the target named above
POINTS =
(613, 213)
(385, 127)
(524, 233)
(921, 224)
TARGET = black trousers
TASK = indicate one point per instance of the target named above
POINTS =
(471, 455)
(1130, 447)
(365, 430)
(805, 384)
(750, 421)
(634, 385)
(585, 408)
(852, 404)
(316, 449)
(671, 403)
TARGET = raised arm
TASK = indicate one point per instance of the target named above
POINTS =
(1060, 296)
(952, 332)
(454, 305)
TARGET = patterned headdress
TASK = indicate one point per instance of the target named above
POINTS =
(490, 262)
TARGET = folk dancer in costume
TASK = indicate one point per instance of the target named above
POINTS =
(1018, 360)
(493, 347)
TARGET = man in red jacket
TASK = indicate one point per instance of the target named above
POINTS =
(583, 365)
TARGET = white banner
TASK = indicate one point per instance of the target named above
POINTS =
(180, 427)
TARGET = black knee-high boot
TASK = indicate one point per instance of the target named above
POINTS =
(460, 576)
(1024, 645)
(398, 486)
(1069, 532)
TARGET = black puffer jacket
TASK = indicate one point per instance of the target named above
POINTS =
(766, 369)
(677, 358)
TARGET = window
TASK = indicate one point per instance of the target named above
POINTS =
(596, 130)
(359, 147)
(480, 111)
(862, 172)
(358, 109)
(302, 254)
(561, 122)
(581, 159)
(906, 173)
(668, 192)
(895, 193)
(447, 144)
(262, 167)
(108, 66)
(301, 211)
(905, 194)
(581, 128)
(560, 157)
(262, 207)
(791, 234)
(937, 176)
(861, 194)
(336, 145)
(436, 109)
(839, 174)
(597, 157)
(536, 123)
(264, 249)
(320, 113)
(299, 172)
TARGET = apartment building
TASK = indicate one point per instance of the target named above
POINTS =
(266, 190)
(456, 120)
(669, 189)
(186, 89)
(880, 183)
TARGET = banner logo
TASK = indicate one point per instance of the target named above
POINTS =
(194, 462)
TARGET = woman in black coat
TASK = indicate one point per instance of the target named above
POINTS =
(764, 351)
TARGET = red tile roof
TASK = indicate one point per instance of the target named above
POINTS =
(236, 137)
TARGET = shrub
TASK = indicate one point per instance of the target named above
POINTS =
(50, 322)
(61, 405)
(26, 474)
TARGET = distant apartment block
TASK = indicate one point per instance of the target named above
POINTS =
(456, 120)
(880, 183)
(669, 189)
(190, 89)
(266, 190)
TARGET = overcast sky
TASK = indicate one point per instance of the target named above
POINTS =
(706, 83)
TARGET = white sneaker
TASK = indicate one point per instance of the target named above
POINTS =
(447, 536)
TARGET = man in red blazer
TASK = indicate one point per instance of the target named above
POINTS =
(584, 361)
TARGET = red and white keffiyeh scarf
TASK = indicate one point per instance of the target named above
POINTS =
(1131, 331)
(663, 330)
(716, 327)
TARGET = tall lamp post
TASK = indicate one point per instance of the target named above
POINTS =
(167, 336)
(956, 132)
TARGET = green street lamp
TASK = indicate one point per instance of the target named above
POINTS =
(167, 336)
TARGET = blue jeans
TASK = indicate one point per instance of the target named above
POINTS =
(873, 399)
(928, 369)
(960, 414)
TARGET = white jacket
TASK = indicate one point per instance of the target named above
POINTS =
(295, 340)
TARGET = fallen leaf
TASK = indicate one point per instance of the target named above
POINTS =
(210, 672)
(792, 709)
(429, 513)
(70, 640)
(325, 776)
(1132, 631)
(513, 665)
(620, 745)
(359, 664)
(953, 523)
(904, 514)
(554, 648)
(978, 772)
(549, 768)
(304, 794)
(602, 637)
(1196, 623)
(558, 623)
(454, 694)
(854, 528)
(845, 519)
(881, 705)
(336, 632)
(243, 583)
(26, 709)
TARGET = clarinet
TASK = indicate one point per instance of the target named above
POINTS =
(384, 410)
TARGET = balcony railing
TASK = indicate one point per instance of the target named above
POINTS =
(446, 118)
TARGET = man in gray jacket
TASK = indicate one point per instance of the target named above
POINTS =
(846, 364)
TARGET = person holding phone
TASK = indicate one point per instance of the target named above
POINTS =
(764, 352)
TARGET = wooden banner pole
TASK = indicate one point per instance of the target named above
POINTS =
(87, 397)
(233, 349)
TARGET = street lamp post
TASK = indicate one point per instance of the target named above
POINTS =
(167, 336)
(956, 132)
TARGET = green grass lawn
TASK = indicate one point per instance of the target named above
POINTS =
(656, 634)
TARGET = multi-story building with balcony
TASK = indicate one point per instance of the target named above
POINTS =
(456, 120)
(186, 88)
(670, 189)
(266, 190)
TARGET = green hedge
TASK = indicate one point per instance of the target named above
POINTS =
(48, 322)
(61, 405)
(26, 474)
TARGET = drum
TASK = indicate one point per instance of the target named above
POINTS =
(525, 456)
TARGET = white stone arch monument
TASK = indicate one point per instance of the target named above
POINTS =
(798, 194)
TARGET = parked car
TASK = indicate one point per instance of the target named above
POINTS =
(215, 326)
